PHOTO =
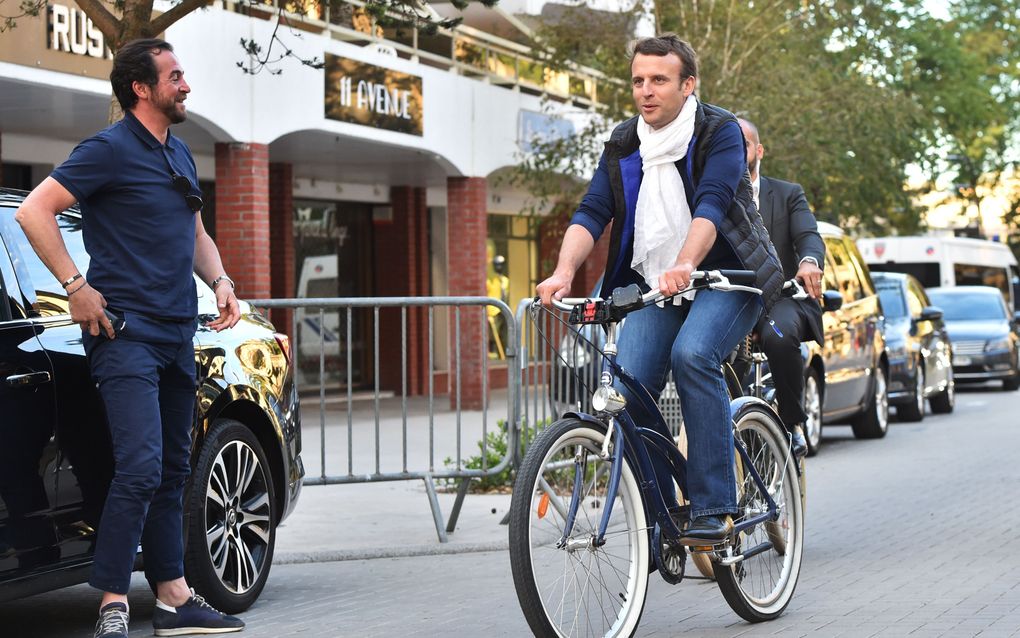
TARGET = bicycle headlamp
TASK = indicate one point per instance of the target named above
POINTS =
(607, 399)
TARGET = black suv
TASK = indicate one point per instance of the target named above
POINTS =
(55, 458)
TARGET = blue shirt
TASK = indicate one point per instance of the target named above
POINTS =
(709, 199)
(138, 229)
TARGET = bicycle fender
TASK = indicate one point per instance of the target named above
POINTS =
(583, 416)
(742, 405)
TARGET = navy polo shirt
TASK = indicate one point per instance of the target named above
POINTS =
(138, 230)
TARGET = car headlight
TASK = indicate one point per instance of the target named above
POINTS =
(997, 344)
(574, 352)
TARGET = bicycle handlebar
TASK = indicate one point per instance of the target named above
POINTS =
(797, 287)
(725, 280)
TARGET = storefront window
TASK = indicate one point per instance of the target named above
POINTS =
(332, 257)
(512, 254)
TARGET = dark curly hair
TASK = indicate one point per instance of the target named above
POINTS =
(663, 45)
(136, 62)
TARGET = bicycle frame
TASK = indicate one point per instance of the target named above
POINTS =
(635, 444)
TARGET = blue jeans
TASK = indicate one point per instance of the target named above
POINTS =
(692, 339)
(146, 377)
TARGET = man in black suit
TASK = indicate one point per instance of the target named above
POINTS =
(794, 233)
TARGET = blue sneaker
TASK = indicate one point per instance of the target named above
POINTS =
(193, 617)
(113, 621)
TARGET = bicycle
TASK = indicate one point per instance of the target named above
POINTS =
(587, 515)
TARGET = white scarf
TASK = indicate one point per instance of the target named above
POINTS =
(663, 216)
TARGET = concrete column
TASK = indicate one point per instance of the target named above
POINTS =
(402, 270)
(281, 240)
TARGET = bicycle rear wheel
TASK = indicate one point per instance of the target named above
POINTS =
(577, 589)
(760, 586)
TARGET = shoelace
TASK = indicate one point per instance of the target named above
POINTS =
(201, 603)
(111, 621)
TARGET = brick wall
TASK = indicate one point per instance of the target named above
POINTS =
(467, 228)
(242, 216)
(281, 240)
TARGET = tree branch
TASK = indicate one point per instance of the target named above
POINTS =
(178, 11)
(104, 20)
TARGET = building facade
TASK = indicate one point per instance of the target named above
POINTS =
(379, 174)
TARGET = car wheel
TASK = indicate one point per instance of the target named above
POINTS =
(914, 411)
(873, 423)
(813, 409)
(945, 401)
(231, 521)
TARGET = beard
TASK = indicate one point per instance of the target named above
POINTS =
(753, 167)
(170, 109)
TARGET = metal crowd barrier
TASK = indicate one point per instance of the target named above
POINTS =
(324, 329)
(560, 368)
(551, 368)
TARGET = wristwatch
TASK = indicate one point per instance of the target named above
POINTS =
(812, 260)
(223, 277)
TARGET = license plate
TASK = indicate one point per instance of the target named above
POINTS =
(961, 361)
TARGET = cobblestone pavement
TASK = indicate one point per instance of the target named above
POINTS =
(911, 535)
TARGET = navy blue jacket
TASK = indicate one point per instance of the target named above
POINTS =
(718, 189)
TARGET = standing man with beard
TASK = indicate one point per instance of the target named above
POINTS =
(137, 187)
(794, 232)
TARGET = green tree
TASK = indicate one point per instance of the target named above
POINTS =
(846, 95)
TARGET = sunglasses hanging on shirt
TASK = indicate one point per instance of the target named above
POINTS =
(183, 186)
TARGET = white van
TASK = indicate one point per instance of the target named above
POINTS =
(945, 261)
(318, 278)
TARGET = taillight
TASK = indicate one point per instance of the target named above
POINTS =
(284, 342)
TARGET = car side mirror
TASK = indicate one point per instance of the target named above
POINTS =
(930, 313)
(831, 300)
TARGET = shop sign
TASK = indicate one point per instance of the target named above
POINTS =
(60, 38)
(374, 96)
(72, 31)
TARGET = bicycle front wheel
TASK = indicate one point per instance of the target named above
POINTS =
(570, 587)
(760, 586)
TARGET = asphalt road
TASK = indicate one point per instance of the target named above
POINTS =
(912, 534)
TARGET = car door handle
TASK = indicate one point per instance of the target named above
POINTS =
(25, 380)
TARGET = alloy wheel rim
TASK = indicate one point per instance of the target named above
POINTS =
(813, 405)
(881, 400)
(237, 517)
(919, 389)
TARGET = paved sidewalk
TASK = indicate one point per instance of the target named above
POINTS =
(392, 518)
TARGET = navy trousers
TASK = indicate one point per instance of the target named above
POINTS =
(146, 377)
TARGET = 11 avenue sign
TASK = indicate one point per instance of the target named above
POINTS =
(374, 96)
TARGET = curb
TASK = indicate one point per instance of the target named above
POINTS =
(369, 553)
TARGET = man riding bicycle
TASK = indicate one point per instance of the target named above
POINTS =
(674, 183)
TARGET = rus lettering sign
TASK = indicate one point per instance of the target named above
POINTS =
(72, 31)
(374, 96)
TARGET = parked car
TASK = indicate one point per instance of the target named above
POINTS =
(920, 354)
(850, 372)
(985, 335)
(55, 457)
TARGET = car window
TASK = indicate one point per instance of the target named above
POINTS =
(843, 271)
(863, 274)
(969, 306)
(891, 295)
(37, 283)
(916, 299)
(13, 306)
